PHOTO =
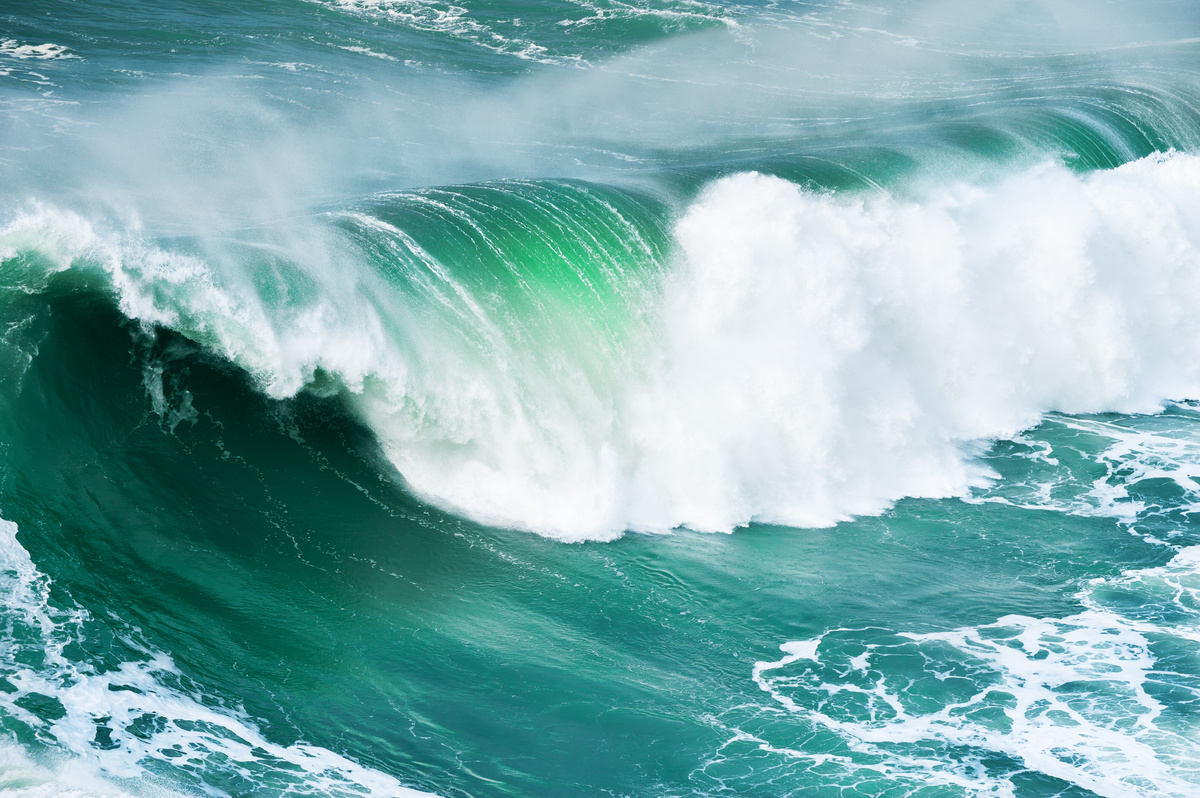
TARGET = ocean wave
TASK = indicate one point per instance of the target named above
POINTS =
(528, 357)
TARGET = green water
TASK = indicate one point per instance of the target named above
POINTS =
(399, 396)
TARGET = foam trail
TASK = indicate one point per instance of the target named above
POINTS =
(537, 361)
(1099, 698)
(22, 777)
(135, 729)
(457, 22)
(1158, 451)
(47, 51)
(1079, 698)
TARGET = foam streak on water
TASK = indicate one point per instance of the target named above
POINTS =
(1100, 699)
(136, 727)
(515, 37)
(1090, 699)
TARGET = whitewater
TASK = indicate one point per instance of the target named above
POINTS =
(645, 398)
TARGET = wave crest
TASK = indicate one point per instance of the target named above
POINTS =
(529, 356)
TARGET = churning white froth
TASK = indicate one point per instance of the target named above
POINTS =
(806, 357)
(822, 356)
(511, 36)
(827, 355)
(44, 52)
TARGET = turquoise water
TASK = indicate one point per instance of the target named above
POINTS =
(599, 398)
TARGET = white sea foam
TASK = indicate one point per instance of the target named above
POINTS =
(679, 12)
(809, 357)
(1132, 451)
(828, 355)
(44, 52)
(1079, 698)
(508, 36)
(367, 51)
(109, 724)
(447, 18)
(65, 776)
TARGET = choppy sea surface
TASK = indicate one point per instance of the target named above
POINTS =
(614, 398)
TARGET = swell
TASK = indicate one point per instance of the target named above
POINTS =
(564, 358)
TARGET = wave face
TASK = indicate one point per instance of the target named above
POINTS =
(311, 313)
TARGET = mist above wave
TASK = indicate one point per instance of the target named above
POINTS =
(209, 141)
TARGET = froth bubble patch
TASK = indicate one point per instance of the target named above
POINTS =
(43, 52)
(1142, 470)
(1083, 699)
(531, 35)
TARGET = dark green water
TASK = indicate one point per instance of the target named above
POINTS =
(599, 398)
